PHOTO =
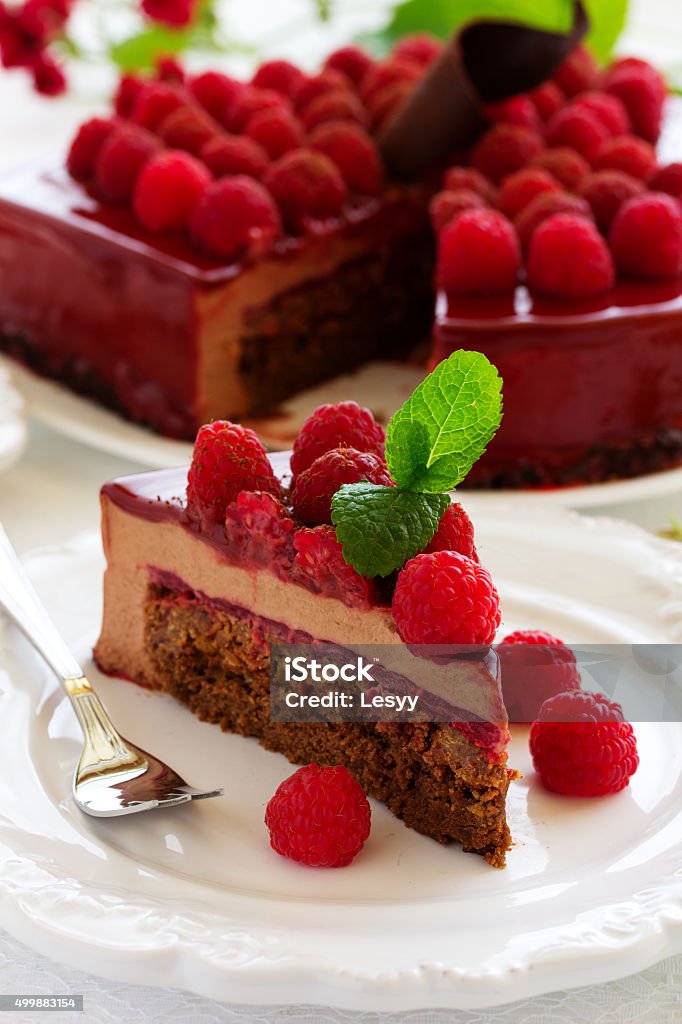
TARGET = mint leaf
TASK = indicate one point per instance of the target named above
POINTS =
(140, 51)
(445, 426)
(607, 20)
(380, 528)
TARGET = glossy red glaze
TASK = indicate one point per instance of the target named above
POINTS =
(586, 384)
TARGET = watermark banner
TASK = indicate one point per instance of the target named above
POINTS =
(326, 682)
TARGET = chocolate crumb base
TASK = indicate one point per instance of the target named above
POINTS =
(599, 463)
(429, 775)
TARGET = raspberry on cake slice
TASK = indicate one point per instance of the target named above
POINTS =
(221, 563)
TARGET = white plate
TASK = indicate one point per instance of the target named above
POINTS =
(12, 422)
(195, 898)
(90, 424)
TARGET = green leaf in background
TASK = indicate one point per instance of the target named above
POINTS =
(380, 528)
(434, 439)
(141, 51)
(443, 17)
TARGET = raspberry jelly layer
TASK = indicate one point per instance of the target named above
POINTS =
(592, 389)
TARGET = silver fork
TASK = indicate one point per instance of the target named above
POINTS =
(112, 776)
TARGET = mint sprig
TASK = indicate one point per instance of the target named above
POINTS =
(431, 444)
(380, 528)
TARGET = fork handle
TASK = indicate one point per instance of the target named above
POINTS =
(23, 606)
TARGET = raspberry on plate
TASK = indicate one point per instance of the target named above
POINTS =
(581, 745)
(544, 206)
(642, 91)
(314, 488)
(445, 598)
(547, 99)
(519, 189)
(127, 94)
(354, 152)
(646, 236)
(227, 459)
(422, 48)
(607, 109)
(235, 218)
(578, 128)
(392, 71)
(568, 258)
(578, 72)
(247, 102)
(155, 102)
(167, 190)
(276, 130)
(446, 205)
(534, 666)
(350, 61)
(188, 129)
(341, 105)
(234, 154)
(667, 179)
(455, 533)
(505, 148)
(565, 164)
(214, 91)
(86, 145)
(515, 110)
(606, 191)
(478, 253)
(385, 102)
(629, 154)
(456, 178)
(319, 566)
(306, 186)
(280, 76)
(319, 817)
(327, 80)
(344, 425)
(121, 159)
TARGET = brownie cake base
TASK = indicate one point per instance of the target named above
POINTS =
(432, 776)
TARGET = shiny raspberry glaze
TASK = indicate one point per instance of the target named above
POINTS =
(578, 374)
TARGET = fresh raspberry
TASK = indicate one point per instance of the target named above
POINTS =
(547, 98)
(121, 159)
(169, 69)
(629, 154)
(642, 91)
(606, 191)
(246, 103)
(260, 531)
(127, 94)
(568, 258)
(48, 74)
(386, 102)
(314, 488)
(646, 236)
(354, 153)
(173, 13)
(187, 129)
(581, 745)
(276, 130)
(478, 252)
(520, 188)
(328, 80)
(306, 187)
(156, 102)
(445, 598)
(344, 425)
(545, 206)
(389, 72)
(421, 48)
(342, 105)
(319, 566)
(85, 147)
(235, 218)
(445, 206)
(515, 110)
(466, 177)
(279, 75)
(234, 154)
(579, 72)
(667, 179)
(319, 817)
(167, 189)
(534, 666)
(455, 533)
(578, 128)
(607, 109)
(227, 460)
(214, 91)
(505, 148)
(567, 166)
(351, 61)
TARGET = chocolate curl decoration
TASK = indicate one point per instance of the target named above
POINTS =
(484, 62)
